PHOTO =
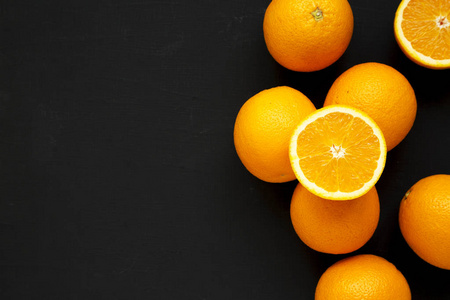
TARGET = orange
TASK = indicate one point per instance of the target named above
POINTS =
(363, 276)
(307, 35)
(424, 219)
(338, 152)
(334, 227)
(422, 30)
(263, 129)
(383, 93)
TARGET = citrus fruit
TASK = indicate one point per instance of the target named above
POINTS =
(263, 129)
(338, 152)
(422, 30)
(334, 227)
(307, 35)
(383, 93)
(424, 219)
(363, 276)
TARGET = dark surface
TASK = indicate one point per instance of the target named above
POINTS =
(119, 178)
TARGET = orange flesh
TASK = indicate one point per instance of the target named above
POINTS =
(338, 152)
(426, 24)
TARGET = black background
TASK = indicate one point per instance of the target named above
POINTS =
(118, 174)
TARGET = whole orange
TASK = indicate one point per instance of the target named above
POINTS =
(335, 227)
(307, 35)
(363, 276)
(263, 129)
(383, 93)
(424, 219)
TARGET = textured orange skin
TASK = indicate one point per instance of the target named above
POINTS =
(300, 43)
(263, 129)
(424, 219)
(383, 93)
(334, 227)
(364, 276)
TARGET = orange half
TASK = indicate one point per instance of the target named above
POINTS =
(422, 30)
(338, 152)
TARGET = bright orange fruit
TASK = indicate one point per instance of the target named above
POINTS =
(335, 227)
(364, 276)
(263, 129)
(307, 35)
(422, 30)
(424, 219)
(383, 93)
(338, 152)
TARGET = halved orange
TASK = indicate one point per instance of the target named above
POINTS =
(422, 30)
(338, 152)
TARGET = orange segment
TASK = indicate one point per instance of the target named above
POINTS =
(338, 153)
(422, 29)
